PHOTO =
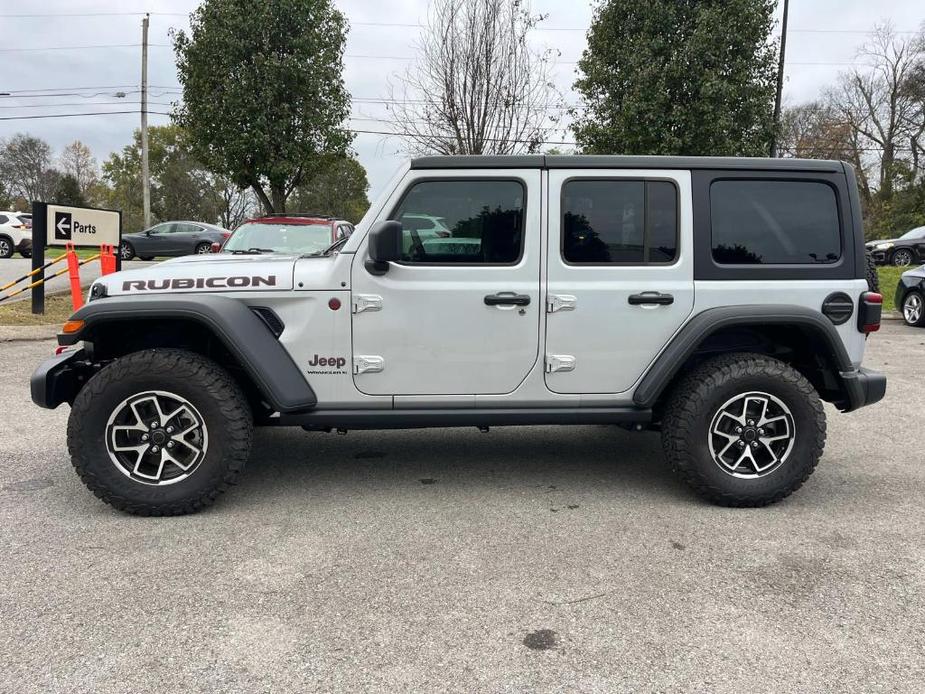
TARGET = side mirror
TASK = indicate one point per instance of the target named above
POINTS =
(385, 246)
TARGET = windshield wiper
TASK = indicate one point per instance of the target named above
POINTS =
(330, 249)
(252, 251)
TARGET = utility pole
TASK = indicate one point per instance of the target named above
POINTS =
(780, 79)
(145, 174)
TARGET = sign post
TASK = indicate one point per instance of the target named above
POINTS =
(64, 225)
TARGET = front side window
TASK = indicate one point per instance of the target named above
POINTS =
(619, 222)
(473, 222)
(774, 222)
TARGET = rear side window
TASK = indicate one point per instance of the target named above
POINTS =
(464, 222)
(619, 222)
(773, 222)
(4, 219)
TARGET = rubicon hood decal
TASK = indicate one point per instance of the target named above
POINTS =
(234, 282)
(263, 274)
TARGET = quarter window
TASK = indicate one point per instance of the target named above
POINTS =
(771, 222)
(619, 222)
(462, 222)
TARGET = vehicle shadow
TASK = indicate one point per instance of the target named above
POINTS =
(593, 459)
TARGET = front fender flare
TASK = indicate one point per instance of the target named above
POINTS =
(231, 321)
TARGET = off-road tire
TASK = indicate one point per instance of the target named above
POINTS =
(873, 278)
(126, 251)
(200, 381)
(6, 249)
(699, 395)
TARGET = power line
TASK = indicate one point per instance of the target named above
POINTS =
(76, 115)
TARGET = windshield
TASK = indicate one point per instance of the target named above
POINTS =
(280, 238)
(916, 233)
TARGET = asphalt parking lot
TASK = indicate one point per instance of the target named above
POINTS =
(526, 559)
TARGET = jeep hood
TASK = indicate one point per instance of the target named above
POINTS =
(218, 272)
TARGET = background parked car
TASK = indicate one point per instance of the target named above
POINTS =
(906, 250)
(15, 234)
(172, 239)
(287, 233)
(910, 296)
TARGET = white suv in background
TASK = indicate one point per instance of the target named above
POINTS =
(15, 234)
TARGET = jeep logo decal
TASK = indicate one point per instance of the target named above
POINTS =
(338, 362)
(235, 282)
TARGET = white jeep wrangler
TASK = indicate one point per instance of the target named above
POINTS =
(718, 301)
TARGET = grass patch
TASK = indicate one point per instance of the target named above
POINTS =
(889, 278)
(57, 310)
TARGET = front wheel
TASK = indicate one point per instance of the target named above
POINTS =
(160, 432)
(744, 429)
(6, 247)
(914, 309)
(902, 257)
(126, 251)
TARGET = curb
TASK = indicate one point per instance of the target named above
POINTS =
(28, 333)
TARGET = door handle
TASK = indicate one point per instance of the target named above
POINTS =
(507, 299)
(650, 298)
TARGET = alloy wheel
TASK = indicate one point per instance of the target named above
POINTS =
(912, 308)
(751, 435)
(5, 249)
(902, 258)
(125, 252)
(156, 438)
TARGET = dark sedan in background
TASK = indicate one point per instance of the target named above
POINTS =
(906, 250)
(910, 296)
(172, 239)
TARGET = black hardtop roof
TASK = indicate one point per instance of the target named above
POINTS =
(609, 161)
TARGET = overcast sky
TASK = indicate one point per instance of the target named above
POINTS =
(823, 40)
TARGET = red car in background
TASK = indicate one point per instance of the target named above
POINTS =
(286, 233)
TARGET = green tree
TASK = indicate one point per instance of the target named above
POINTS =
(694, 77)
(67, 191)
(181, 188)
(263, 90)
(337, 187)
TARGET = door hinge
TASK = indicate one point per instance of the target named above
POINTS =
(368, 364)
(559, 362)
(560, 302)
(366, 302)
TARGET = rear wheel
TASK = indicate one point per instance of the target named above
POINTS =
(913, 309)
(744, 430)
(203, 248)
(902, 257)
(160, 432)
(6, 247)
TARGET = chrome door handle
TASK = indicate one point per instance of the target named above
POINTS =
(507, 299)
(650, 298)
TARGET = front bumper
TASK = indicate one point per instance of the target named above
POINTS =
(880, 257)
(864, 387)
(59, 379)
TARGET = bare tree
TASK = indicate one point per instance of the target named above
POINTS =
(879, 105)
(78, 161)
(25, 164)
(477, 86)
(236, 204)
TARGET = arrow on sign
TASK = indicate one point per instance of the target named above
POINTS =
(63, 226)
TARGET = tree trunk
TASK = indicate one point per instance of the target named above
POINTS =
(278, 192)
(264, 200)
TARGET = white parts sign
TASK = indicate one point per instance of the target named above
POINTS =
(81, 226)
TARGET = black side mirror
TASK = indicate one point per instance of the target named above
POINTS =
(385, 245)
